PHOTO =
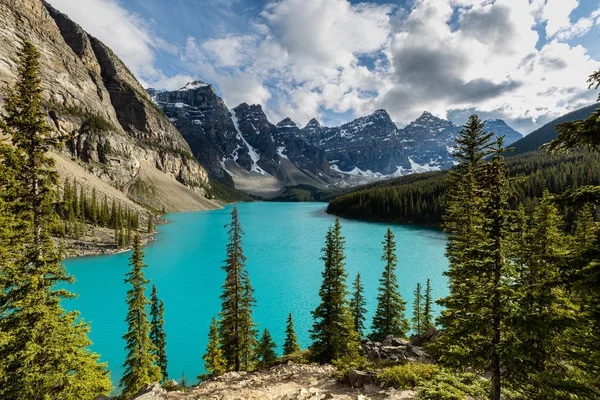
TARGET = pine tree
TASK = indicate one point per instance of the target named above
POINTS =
(542, 308)
(333, 334)
(150, 223)
(157, 333)
(43, 349)
(357, 306)
(478, 222)
(265, 349)
(389, 317)
(140, 368)
(418, 319)
(291, 340)
(236, 327)
(427, 310)
(214, 362)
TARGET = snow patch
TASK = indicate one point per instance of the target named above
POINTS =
(193, 85)
(417, 168)
(253, 154)
(280, 151)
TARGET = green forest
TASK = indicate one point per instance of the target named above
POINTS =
(521, 320)
(419, 198)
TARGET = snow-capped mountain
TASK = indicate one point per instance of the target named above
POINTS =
(262, 158)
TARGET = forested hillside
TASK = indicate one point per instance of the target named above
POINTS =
(418, 198)
(546, 133)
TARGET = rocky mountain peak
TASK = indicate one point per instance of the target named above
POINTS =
(286, 123)
(313, 123)
(194, 85)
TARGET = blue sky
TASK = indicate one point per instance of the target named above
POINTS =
(525, 61)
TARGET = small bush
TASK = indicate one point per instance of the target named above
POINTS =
(299, 357)
(447, 385)
(407, 376)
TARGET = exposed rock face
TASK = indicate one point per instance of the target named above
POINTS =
(373, 147)
(241, 144)
(394, 349)
(370, 144)
(89, 94)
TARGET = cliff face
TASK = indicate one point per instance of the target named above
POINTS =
(115, 131)
(241, 144)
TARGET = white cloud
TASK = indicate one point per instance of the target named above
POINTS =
(315, 58)
(557, 14)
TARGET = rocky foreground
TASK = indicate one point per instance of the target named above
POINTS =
(282, 382)
(304, 381)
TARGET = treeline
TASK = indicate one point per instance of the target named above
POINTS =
(419, 198)
(80, 213)
(523, 305)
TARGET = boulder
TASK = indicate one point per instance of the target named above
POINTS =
(102, 397)
(152, 391)
(359, 379)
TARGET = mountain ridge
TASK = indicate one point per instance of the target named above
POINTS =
(242, 147)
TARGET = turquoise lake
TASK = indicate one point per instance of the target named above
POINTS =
(283, 244)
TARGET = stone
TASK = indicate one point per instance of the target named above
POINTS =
(152, 391)
(359, 379)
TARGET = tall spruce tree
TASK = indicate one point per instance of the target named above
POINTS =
(477, 219)
(265, 349)
(43, 349)
(427, 307)
(214, 362)
(542, 310)
(236, 327)
(357, 306)
(140, 363)
(157, 333)
(499, 215)
(291, 340)
(333, 333)
(418, 319)
(389, 317)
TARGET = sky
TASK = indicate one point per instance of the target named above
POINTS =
(524, 61)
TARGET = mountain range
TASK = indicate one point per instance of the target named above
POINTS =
(242, 147)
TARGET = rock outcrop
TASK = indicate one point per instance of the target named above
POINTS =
(115, 131)
(283, 382)
(396, 350)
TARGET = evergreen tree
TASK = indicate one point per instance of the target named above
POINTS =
(333, 333)
(140, 368)
(427, 310)
(542, 308)
(157, 333)
(265, 349)
(418, 319)
(357, 306)
(43, 349)
(214, 362)
(150, 223)
(477, 220)
(236, 327)
(291, 340)
(389, 317)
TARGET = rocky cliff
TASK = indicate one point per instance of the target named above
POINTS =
(116, 133)
(241, 145)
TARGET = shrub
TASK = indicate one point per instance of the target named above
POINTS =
(299, 357)
(447, 385)
(407, 376)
